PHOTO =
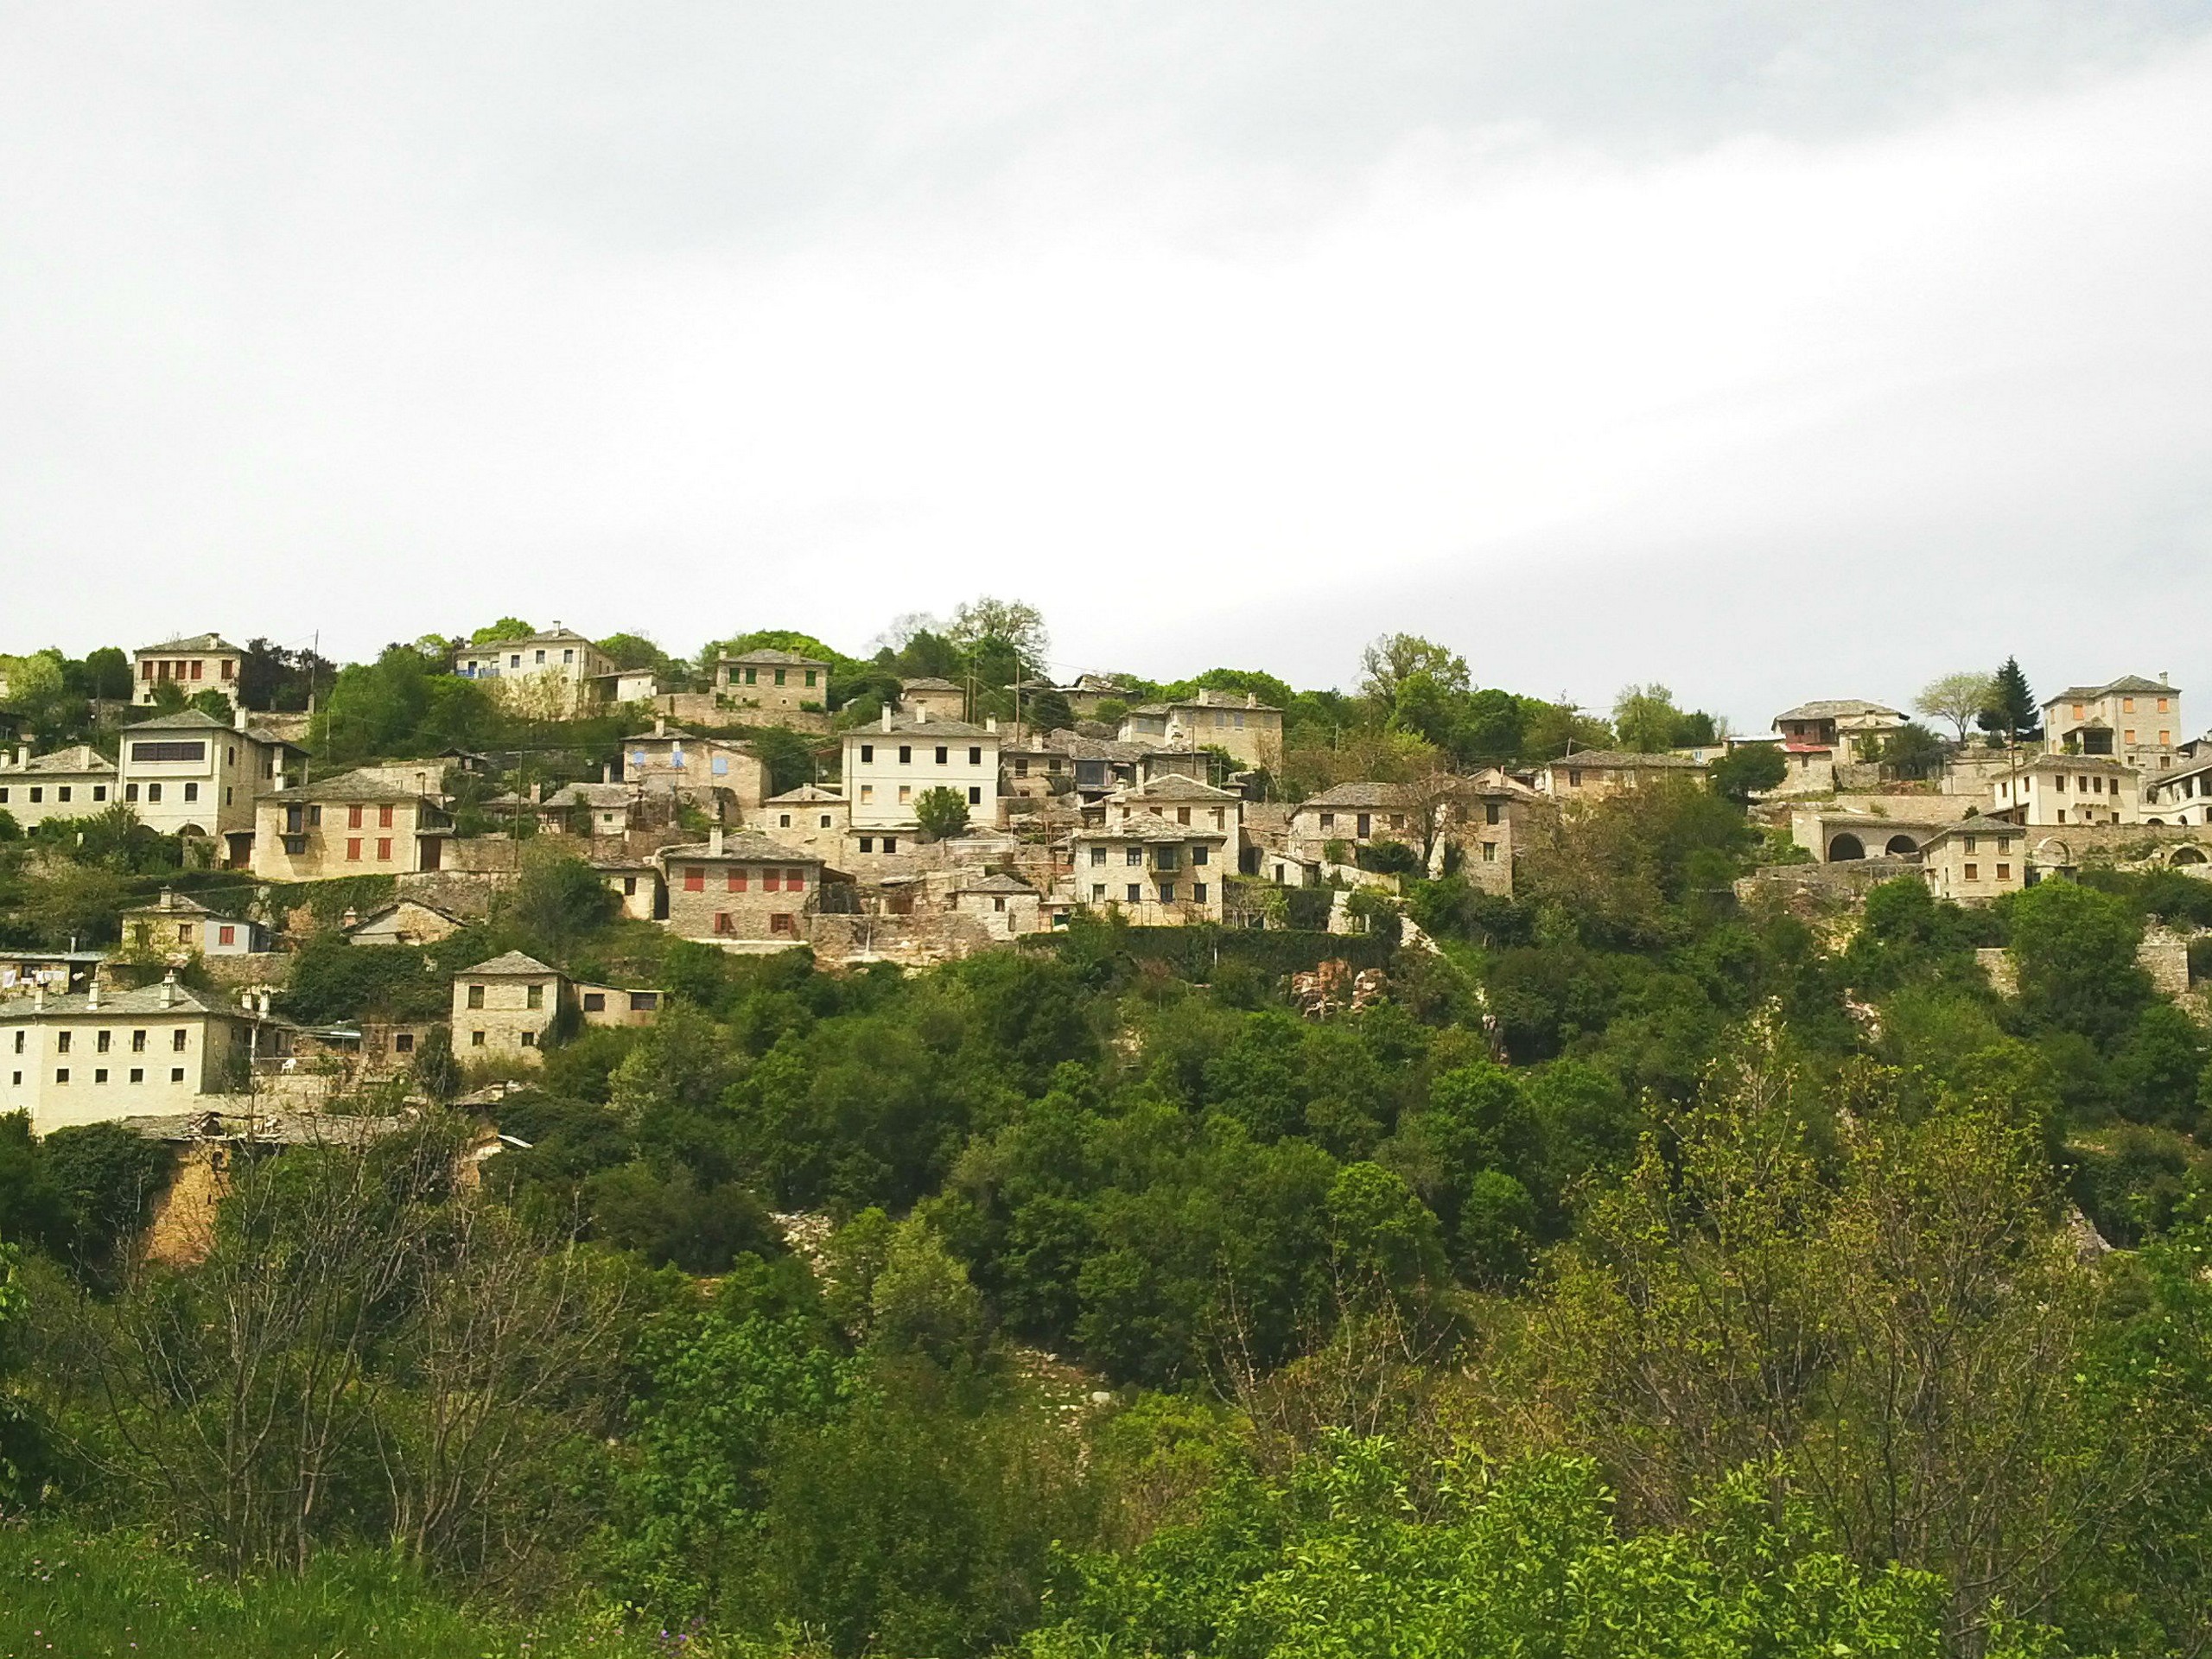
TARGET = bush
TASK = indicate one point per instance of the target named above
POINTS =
(941, 812)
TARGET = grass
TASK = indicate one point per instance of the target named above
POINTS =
(67, 1596)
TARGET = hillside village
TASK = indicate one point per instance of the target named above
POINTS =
(774, 795)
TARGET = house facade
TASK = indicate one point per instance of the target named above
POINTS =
(2135, 720)
(178, 926)
(191, 774)
(1593, 774)
(1005, 906)
(1975, 862)
(556, 675)
(408, 921)
(888, 765)
(742, 889)
(200, 661)
(503, 1010)
(1838, 731)
(1358, 815)
(1247, 729)
(2182, 796)
(96, 1056)
(668, 758)
(929, 698)
(2049, 789)
(1155, 872)
(808, 818)
(356, 823)
(72, 783)
(773, 681)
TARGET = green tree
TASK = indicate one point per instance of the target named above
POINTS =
(1913, 751)
(437, 1073)
(1746, 770)
(2011, 714)
(1961, 698)
(556, 904)
(107, 674)
(941, 812)
(1390, 659)
(507, 627)
(1646, 718)
(921, 1301)
(2074, 949)
(978, 622)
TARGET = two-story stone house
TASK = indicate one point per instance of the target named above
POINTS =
(2135, 720)
(740, 889)
(189, 773)
(556, 675)
(505, 1009)
(1358, 815)
(100, 1055)
(773, 681)
(72, 783)
(1247, 729)
(809, 817)
(357, 823)
(1974, 862)
(889, 764)
(1155, 872)
(1592, 774)
(669, 759)
(177, 925)
(2049, 789)
(200, 661)
(926, 697)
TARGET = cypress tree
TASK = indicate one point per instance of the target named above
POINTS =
(2012, 713)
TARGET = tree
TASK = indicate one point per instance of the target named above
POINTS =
(507, 627)
(1748, 769)
(38, 689)
(2074, 949)
(437, 1073)
(920, 1301)
(2012, 713)
(977, 622)
(1913, 751)
(941, 812)
(1645, 719)
(556, 904)
(1961, 698)
(107, 675)
(1391, 659)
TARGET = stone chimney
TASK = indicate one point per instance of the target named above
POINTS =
(607, 772)
(38, 996)
(714, 841)
(990, 722)
(92, 995)
(23, 754)
(238, 717)
(660, 725)
(538, 794)
(886, 717)
(351, 920)
(168, 899)
(168, 990)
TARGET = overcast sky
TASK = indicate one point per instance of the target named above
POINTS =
(1772, 351)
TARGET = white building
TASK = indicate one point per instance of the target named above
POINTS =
(2050, 789)
(189, 773)
(70, 783)
(94, 1057)
(555, 675)
(888, 765)
(2182, 797)
(201, 661)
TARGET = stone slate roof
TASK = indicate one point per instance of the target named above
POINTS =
(1623, 759)
(1174, 786)
(741, 846)
(910, 726)
(999, 883)
(177, 904)
(195, 720)
(1145, 827)
(513, 965)
(806, 795)
(551, 637)
(928, 682)
(144, 1002)
(77, 758)
(1837, 708)
(1390, 796)
(769, 654)
(2126, 684)
(2047, 762)
(350, 786)
(194, 642)
(594, 795)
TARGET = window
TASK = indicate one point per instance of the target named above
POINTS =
(1097, 855)
(192, 791)
(825, 820)
(1182, 815)
(1133, 855)
(1166, 859)
(1973, 872)
(906, 793)
(794, 881)
(891, 843)
(61, 1074)
(99, 1074)
(644, 1001)
(570, 655)
(722, 924)
(810, 675)
(1167, 892)
(998, 904)
(867, 843)
(138, 1042)
(630, 886)
(943, 754)
(868, 753)
(1574, 779)
(403, 1042)
(131, 791)
(595, 1001)
(383, 849)
(771, 880)
(530, 1039)
(1328, 820)
(1967, 843)
(383, 816)
(1198, 855)
(905, 755)
(61, 1042)
(476, 996)
(976, 795)
(2127, 705)
(1136, 893)
(2004, 872)
(62, 793)
(534, 996)
(753, 677)
(151, 751)
(2128, 736)
(99, 792)
(353, 850)
(177, 1040)
(1366, 825)
(1490, 852)
(137, 1074)
(1197, 893)
(1098, 893)
(867, 794)
(476, 1039)
(695, 879)
(153, 794)
(2166, 737)
(720, 766)
(100, 1043)
(975, 755)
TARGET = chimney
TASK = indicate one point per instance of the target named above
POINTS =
(261, 1005)
(886, 717)
(92, 995)
(168, 899)
(351, 920)
(660, 725)
(607, 772)
(538, 794)
(38, 996)
(1251, 699)
(990, 722)
(714, 841)
(23, 754)
(168, 988)
(238, 717)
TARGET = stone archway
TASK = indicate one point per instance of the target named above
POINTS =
(2053, 854)
(2187, 855)
(1901, 846)
(1845, 848)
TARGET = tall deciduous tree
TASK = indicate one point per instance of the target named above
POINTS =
(1960, 698)
(1390, 659)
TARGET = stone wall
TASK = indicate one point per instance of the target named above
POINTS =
(466, 895)
(480, 856)
(916, 940)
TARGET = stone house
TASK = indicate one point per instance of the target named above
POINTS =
(2052, 789)
(1175, 798)
(773, 681)
(1974, 862)
(667, 758)
(103, 1055)
(72, 783)
(586, 810)
(356, 823)
(1358, 815)
(57, 972)
(2182, 796)
(2135, 720)
(200, 661)
(617, 1005)
(1042, 764)
(889, 764)
(503, 1010)
(177, 925)
(1246, 729)
(628, 685)
(1156, 872)
(1592, 774)
(557, 675)
(636, 882)
(809, 817)
(740, 889)
(408, 921)
(1836, 836)
(1006, 906)
(191, 774)
(1818, 737)
(926, 697)
(1092, 690)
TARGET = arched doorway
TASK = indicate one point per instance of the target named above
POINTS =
(2187, 856)
(1901, 846)
(1845, 848)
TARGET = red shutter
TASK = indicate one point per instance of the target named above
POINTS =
(353, 850)
(353, 817)
(384, 818)
(768, 881)
(383, 849)
(695, 879)
(795, 880)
